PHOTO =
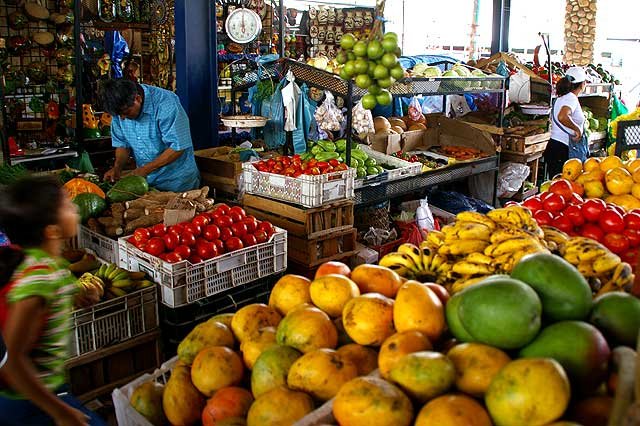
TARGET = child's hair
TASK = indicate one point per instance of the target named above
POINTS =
(27, 207)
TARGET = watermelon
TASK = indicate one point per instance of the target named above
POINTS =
(128, 188)
(89, 205)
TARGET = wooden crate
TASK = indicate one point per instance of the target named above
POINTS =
(527, 144)
(310, 253)
(219, 168)
(299, 221)
(98, 373)
(310, 271)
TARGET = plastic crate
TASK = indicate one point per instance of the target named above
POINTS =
(104, 247)
(402, 169)
(305, 190)
(183, 283)
(114, 321)
(125, 413)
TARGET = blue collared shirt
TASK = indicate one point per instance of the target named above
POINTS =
(162, 124)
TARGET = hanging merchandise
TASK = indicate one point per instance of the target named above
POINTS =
(307, 128)
(329, 116)
(106, 10)
(362, 120)
(290, 96)
(273, 109)
(520, 88)
(118, 48)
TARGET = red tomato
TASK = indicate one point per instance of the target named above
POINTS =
(630, 256)
(225, 233)
(223, 221)
(592, 231)
(141, 235)
(554, 203)
(176, 229)
(216, 214)
(194, 259)
(251, 223)
(201, 220)
(155, 246)
(193, 228)
(183, 251)
(173, 257)
(233, 244)
(236, 217)
(534, 204)
(334, 163)
(576, 199)
(249, 240)
(211, 232)
(563, 223)
(315, 171)
(632, 220)
(574, 214)
(261, 236)
(617, 243)
(543, 217)
(545, 195)
(312, 162)
(131, 240)
(238, 209)
(562, 187)
(187, 239)
(633, 235)
(616, 208)
(592, 209)
(239, 229)
(341, 167)
(158, 230)
(267, 227)
(207, 250)
(223, 207)
(171, 240)
(220, 245)
(611, 221)
(297, 174)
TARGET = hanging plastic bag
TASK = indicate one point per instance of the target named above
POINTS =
(511, 178)
(362, 120)
(273, 109)
(82, 163)
(328, 115)
(118, 49)
(415, 109)
(520, 88)
(290, 98)
(306, 127)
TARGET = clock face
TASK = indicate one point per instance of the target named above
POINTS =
(243, 25)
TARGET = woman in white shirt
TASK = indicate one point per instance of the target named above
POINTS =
(567, 123)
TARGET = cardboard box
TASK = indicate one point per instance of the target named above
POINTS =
(387, 144)
(442, 131)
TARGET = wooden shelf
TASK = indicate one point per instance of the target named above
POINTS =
(108, 26)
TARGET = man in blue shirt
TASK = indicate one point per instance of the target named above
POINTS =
(150, 123)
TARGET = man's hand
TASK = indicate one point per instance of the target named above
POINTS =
(112, 175)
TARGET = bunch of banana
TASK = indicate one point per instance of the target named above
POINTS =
(119, 282)
(422, 263)
(517, 216)
(88, 282)
(555, 238)
(594, 260)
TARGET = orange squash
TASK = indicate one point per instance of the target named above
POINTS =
(81, 186)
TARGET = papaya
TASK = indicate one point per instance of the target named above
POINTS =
(289, 292)
(214, 368)
(182, 402)
(331, 292)
(279, 407)
(146, 399)
(424, 375)
(399, 345)
(128, 188)
(210, 333)
(272, 368)
(253, 347)
(617, 316)
(309, 373)
(251, 318)
(363, 357)
(368, 319)
(418, 308)
(372, 401)
(563, 291)
(376, 279)
(306, 329)
(230, 402)
(343, 337)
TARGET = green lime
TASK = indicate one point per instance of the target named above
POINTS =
(342, 58)
(347, 41)
(398, 52)
(385, 83)
(369, 101)
(380, 72)
(392, 36)
(351, 56)
(361, 66)
(344, 74)
(374, 49)
(360, 49)
(384, 98)
(374, 89)
(397, 72)
(389, 60)
(363, 81)
(389, 44)
(350, 69)
(372, 68)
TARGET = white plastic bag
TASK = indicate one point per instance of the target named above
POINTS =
(362, 119)
(290, 97)
(328, 115)
(510, 178)
(520, 88)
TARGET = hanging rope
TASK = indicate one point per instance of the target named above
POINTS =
(376, 31)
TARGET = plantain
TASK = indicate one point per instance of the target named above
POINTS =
(469, 268)
(86, 264)
(109, 270)
(116, 292)
(146, 283)
(476, 217)
(463, 247)
(100, 272)
(120, 275)
(121, 283)
(414, 253)
(137, 276)
(606, 262)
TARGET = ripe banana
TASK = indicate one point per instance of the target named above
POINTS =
(606, 262)
(111, 268)
(121, 283)
(463, 247)
(403, 271)
(472, 231)
(116, 292)
(479, 258)
(462, 283)
(513, 245)
(414, 253)
(505, 215)
(507, 232)
(476, 217)
(623, 275)
(555, 235)
(469, 268)
(437, 261)
(427, 255)
(435, 238)
(586, 269)
(400, 259)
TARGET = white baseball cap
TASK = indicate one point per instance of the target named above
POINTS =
(576, 74)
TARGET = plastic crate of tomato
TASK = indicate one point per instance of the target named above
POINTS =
(311, 187)
(214, 252)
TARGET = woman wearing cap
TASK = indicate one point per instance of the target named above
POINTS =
(567, 123)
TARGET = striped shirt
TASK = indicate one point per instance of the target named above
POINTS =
(39, 275)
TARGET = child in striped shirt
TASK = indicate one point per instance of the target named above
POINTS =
(37, 295)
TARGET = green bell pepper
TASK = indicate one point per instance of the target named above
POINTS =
(326, 156)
